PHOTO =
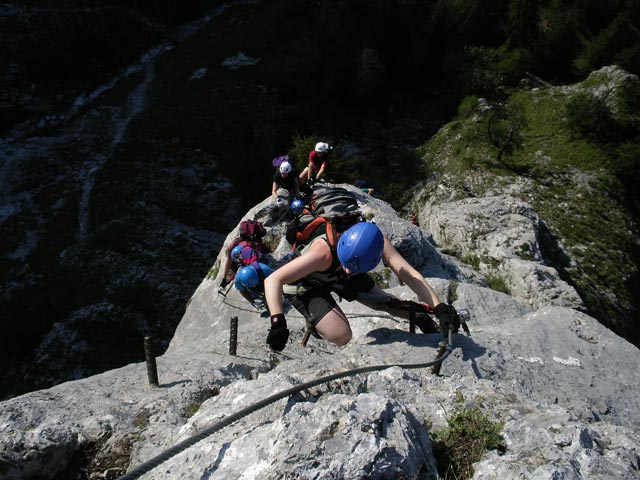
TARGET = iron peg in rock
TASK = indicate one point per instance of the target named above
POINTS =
(152, 369)
(233, 336)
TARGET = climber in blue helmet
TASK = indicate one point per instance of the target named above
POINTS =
(296, 206)
(248, 277)
(360, 247)
(309, 280)
(249, 281)
(236, 254)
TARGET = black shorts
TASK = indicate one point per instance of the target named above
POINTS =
(317, 301)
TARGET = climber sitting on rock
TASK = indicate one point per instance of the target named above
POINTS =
(285, 186)
(319, 159)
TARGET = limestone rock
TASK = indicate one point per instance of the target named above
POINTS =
(501, 232)
(564, 388)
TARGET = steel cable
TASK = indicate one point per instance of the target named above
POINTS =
(183, 445)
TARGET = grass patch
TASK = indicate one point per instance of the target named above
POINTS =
(191, 409)
(548, 131)
(213, 271)
(466, 144)
(382, 277)
(497, 283)
(473, 261)
(589, 220)
(468, 435)
(525, 253)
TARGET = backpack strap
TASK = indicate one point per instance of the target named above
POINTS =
(310, 228)
(332, 238)
(335, 261)
(314, 229)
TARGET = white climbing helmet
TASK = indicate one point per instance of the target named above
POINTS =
(322, 147)
(285, 167)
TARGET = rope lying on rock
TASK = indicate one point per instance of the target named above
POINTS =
(183, 445)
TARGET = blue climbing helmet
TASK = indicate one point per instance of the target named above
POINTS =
(236, 253)
(296, 206)
(244, 256)
(248, 277)
(360, 247)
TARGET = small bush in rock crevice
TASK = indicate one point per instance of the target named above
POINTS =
(468, 434)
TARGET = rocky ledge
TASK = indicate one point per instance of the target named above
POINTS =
(563, 388)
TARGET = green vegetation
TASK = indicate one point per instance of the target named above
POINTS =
(504, 126)
(497, 283)
(213, 271)
(382, 277)
(473, 261)
(301, 145)
(614, 41)
(468, 435)
(525, 253)
(579, 150)
(191, 409)
(590, 117)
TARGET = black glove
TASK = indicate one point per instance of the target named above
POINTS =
(447, 316)
(278, 333)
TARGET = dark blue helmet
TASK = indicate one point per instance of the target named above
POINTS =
(360, 247)
(296, 206)
(235, 253)
(248, 277)
(243, 255)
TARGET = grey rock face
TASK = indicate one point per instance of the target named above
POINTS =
(564, 388)
(330, 435)
(552, 444)
(501, 233)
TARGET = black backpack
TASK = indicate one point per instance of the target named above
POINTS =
(331, 210)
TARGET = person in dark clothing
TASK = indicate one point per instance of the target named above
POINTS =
(285, 179)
